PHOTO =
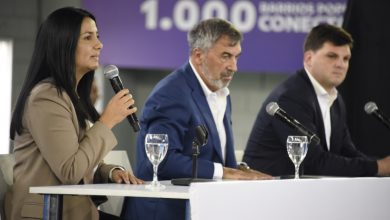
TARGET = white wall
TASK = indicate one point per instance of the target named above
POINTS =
(5, 94)
(18, 22)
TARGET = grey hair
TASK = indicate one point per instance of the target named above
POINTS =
(207, 32)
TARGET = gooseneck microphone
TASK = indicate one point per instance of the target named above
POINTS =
(273, 109)
(372, 109)
(200, 139)
(111, 72)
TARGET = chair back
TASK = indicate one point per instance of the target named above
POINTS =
(7, 162)
(239, 155)
(115, 203)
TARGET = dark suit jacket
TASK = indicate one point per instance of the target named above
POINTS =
(266, 148)
(175, 107)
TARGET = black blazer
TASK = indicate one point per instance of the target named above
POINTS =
(266, 147)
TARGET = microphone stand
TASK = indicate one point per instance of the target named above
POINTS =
(195, 153)
(382, 119)
(194, 178)
(198, 142)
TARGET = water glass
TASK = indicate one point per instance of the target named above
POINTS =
(297, 149)
(156, 146)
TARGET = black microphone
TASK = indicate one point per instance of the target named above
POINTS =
(372, 109)
(200, 139)
(201, 136)
(111, 72)
(273, 109)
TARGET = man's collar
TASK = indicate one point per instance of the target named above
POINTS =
(319, 89)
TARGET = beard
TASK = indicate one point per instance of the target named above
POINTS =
(219, 83)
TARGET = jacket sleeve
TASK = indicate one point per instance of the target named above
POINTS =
(53, 124)
(170, 110)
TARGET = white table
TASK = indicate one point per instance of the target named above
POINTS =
(320, 199)
(53, 194)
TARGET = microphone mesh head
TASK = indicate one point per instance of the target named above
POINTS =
(271, 108)
(110, 71)
(201, 135)
(370, 107)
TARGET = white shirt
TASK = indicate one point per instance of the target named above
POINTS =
(217, 102)
(325, 100)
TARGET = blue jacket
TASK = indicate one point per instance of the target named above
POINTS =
(175, 107)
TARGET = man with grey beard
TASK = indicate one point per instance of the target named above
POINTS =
(195, 94)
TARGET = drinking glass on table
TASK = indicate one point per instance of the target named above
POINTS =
(156, 146)
(297, 149)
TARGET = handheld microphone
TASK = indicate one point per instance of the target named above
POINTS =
(273, 109)
(111, 72)
(372, 109)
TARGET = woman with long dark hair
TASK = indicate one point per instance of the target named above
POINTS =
(59, 137)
